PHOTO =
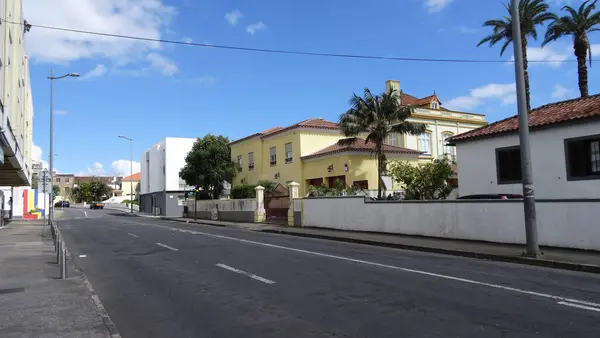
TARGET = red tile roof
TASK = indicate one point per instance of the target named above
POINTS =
(360, 145)
(315, 123)
(553, 113)
(134, 177)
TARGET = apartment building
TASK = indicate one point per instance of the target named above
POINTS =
(16, 105)
(161, 189)
(308, 152)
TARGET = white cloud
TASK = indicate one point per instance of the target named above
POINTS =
(188, 39)
(545, 54)
(233, 17)
(36, 155)
(162, 64)
(505, 93)
(96, 169)
(434, 6)
(561, 92)
(145, 18)
(122, 167)
(99, 70)
(253, 28)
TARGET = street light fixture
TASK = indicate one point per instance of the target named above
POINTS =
(130, 170)
(52, 78)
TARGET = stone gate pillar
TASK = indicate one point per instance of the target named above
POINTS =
(260, 213)
(293, 188)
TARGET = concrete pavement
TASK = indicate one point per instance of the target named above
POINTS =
(34, 302)
(160, 278)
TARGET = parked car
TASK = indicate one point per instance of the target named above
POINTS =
(491, 197)
(96, 205)
(62, 204)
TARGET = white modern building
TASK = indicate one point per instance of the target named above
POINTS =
(565, 153)
(161, 189)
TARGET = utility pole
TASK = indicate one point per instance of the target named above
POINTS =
(130, 170)
(533, 249)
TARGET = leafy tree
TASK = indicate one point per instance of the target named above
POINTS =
(532, 13)
(209, 164)
(423, 182)
(90, 191)
(577, 25)
(34, 181)
(377, 116)
(268, 185)
(56, 189)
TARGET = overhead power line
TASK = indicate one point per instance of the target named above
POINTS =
(277, 51)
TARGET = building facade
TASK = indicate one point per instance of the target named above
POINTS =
(16, 105)
(161, 188)
(130, 185)
(309, 154)
(565, 153)
(65, 183)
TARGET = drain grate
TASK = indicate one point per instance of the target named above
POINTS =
(12, 290)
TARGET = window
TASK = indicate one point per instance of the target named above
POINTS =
(508, 165)
(250, 161)
(435, 105)
(448, 149)
(394, 139)
(58, 180)
(67, 191)
(361, 184)
(288, 153)
(67, 180)
(583, 158)
(425, 143)
(239, 163)
(273, 156)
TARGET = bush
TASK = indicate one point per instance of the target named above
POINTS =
(243, 191)
(338, 190)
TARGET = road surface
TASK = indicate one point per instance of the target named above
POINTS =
(159, 278)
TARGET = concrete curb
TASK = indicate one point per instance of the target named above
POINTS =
(493, 257)
(108, 323)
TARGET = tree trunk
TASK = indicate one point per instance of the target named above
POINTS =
(380, 181)
(580, 52)
(526, 73)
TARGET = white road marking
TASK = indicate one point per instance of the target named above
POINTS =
(133, 235)
(420, 272)
(82, 256)
(580, 306)
(166, 246)
(242, 272)
(84, 212)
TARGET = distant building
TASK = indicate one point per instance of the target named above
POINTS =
(161, 189)
(65, 183)
(130, 184)
(565, 153)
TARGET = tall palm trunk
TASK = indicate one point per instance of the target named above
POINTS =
(379, 164)
(581, 49)
(526, 72)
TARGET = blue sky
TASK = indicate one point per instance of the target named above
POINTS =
(149, 91)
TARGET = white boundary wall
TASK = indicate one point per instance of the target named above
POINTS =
(561, 223)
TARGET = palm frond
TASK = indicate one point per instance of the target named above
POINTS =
(346, 142)
(409, 128)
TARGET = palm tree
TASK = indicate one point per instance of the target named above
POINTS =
(532, 13)
(377, 116)
(577, 24)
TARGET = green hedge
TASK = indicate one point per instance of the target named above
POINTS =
(243, 191)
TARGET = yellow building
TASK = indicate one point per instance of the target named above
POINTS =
(308, 152)
(130, 185)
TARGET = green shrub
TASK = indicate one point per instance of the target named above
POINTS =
(243, 191)
(338, 190)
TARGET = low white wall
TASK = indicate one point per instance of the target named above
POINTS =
(569, 224)
(249, 204)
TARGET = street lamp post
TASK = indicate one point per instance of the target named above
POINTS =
(52, 78)
(533, 249)
(130, 170)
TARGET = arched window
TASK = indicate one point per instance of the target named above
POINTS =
(447, 148)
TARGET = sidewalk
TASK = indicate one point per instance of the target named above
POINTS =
(578, 260)
(34, 301)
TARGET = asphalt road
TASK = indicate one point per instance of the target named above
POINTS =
(161, 278)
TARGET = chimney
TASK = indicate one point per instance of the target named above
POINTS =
(391, 85)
